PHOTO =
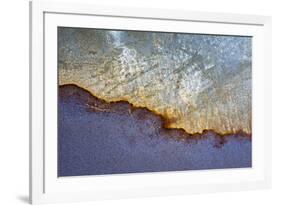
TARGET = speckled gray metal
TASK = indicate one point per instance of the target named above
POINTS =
(198, 82)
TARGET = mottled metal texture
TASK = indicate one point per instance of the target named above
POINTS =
(96, 137)
(196, 82)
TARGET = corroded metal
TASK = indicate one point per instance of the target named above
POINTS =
(196, 82)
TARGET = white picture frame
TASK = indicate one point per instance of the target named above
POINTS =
(46, 187)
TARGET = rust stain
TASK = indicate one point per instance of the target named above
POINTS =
(96, 104)
(196, 82)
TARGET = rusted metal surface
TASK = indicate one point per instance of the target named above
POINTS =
(195, 82)
(97, 137)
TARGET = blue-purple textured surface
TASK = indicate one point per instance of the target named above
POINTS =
(114, 139)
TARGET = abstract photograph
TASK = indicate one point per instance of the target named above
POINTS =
(147, 101)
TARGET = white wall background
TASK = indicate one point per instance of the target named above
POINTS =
(14, 100)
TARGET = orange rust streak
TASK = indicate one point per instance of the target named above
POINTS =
(165, 121)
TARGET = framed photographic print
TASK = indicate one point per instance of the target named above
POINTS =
(129, 102)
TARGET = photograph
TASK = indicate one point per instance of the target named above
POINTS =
(135, 101)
